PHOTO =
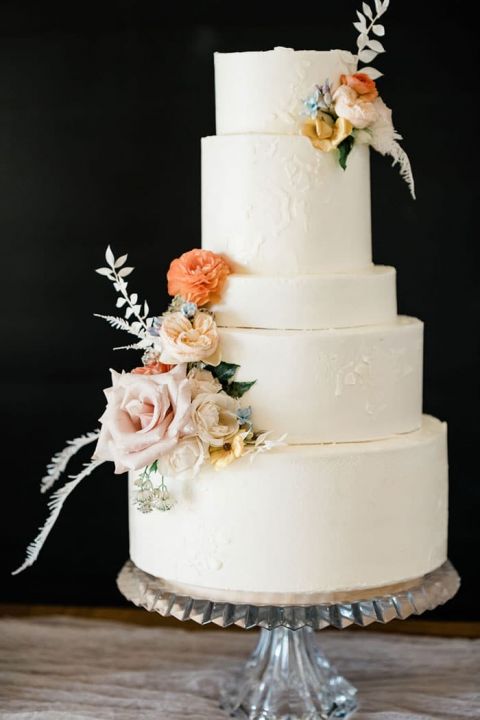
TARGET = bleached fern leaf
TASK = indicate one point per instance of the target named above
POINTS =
(140, 345)
(55, 505)
(57, 465)
(119, 324)
(400, 156)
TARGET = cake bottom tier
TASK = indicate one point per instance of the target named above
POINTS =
(302, 519)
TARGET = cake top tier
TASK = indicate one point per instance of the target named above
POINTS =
(262, 92)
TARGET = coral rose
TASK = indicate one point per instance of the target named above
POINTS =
(214, 417)
(349, 105)
(362, 84)
(155, 368)
(198, 276)
(183, 340)
(144, 419)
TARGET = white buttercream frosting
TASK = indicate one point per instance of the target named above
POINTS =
(308, 302)
(339, 385)
(274, 204)
(305, 519)
(262, 92)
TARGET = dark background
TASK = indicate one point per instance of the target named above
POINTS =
(101, 113)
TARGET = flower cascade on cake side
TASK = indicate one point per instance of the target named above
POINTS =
(180, 409)
(347, 110)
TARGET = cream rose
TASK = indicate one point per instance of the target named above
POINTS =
(185, 460)
(183, 340)
(349, 105)
(214, 417)
(202, 381)
(144, 419)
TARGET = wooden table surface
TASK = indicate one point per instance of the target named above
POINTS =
(137, 616)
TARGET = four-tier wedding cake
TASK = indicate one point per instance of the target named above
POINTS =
(357, 495)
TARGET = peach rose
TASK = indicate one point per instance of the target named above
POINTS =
(144, 419)
(155, 368)
(198, 276)
(183, 340)
(348, 105)
(363, 85)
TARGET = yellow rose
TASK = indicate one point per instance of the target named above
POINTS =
(325, 133)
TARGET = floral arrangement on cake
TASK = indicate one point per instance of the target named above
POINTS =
(180, 409)
(350, 110)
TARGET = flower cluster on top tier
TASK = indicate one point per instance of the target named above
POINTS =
(350, 110)
(182, 407)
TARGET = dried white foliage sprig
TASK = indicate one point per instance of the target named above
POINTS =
(263, 444)
(55, 505)
(57, 465)
(116, 272)
(368, 47)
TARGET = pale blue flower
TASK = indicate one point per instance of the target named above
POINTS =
(189, 309)
(244, 415)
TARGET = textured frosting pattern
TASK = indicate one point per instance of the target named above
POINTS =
(308, 302)
(339, 385)
(262, 91)
(275, 204)
(306, 519)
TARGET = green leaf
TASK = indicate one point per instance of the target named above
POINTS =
(238, 389)
(224, 371)
(344, 150)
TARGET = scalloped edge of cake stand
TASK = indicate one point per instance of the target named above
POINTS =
(317, 611)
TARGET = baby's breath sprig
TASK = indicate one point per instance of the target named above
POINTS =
(148, 497)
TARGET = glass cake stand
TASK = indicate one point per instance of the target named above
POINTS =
(287, 677)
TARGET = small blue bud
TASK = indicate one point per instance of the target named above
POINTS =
(189, 309)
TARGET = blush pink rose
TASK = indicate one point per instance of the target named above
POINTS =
(144, 419)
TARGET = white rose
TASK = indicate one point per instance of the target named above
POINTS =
(348, 105)
(184, 461)
(214, 416)
(202, 381)
(183, 340)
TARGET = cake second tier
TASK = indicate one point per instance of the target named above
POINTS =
(340, 385)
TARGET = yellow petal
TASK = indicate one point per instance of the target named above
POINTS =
(325, 145)
(237, 446)
(324, 130)
(343, 129)
(308, 129)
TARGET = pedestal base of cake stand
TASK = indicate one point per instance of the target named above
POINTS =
(287, 677)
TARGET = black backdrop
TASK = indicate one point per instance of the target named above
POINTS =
(101, 113)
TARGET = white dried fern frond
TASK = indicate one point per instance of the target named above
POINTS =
(400, 156)
(140, 345)
(57, 465)
(120, 324)
(55, 505)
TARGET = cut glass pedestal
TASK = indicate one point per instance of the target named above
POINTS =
(287, 677)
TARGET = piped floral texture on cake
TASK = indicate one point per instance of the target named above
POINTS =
(349, 110)
(178, 411)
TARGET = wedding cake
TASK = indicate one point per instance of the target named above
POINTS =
(273, 433)
(358, 496)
